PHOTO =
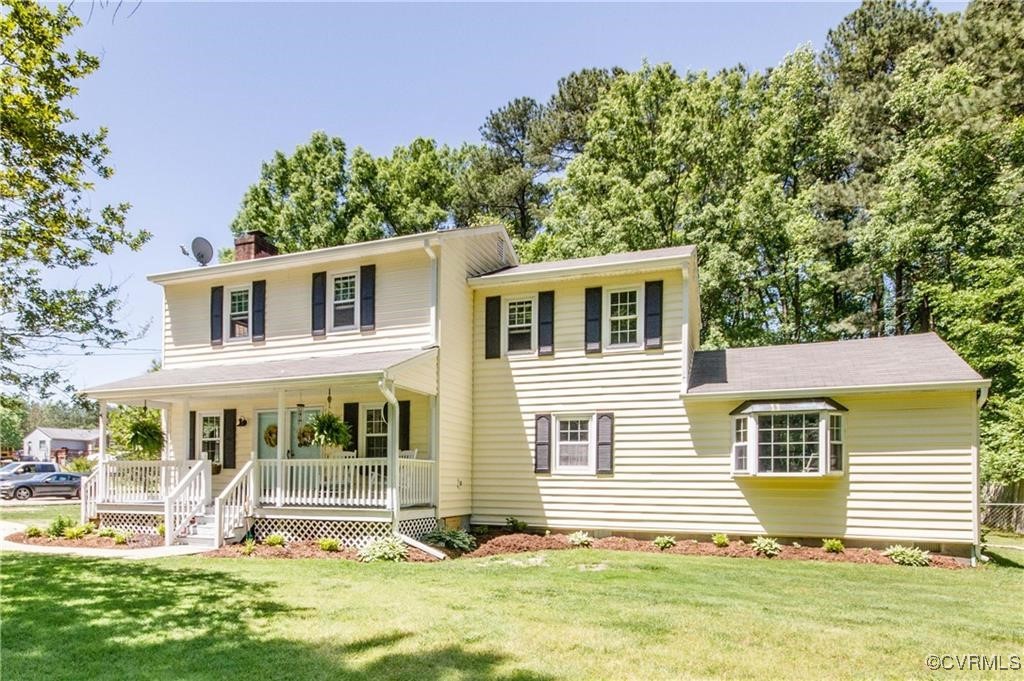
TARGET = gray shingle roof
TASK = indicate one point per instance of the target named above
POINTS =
(257, 372)
(890, 362)
(611, 260)
(81, 434)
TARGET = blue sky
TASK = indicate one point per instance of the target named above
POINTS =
(196, 95)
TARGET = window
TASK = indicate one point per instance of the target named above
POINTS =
(375, 433)
(238, 313)
(788, 443)
(574, 451)
(835, 442)
(739, 447)
(623, 317)
(210, 438)
(344, 301)
(519, 325)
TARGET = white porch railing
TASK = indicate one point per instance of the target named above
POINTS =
(126, 482)
(235, 502)
(89, 490)
(187, 500)
(415, 480)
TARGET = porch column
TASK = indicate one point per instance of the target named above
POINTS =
(435, 472)
(101, 487)
(281, 430)
(394, 504)
(165, 428)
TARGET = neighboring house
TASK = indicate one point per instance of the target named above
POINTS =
(59, 444)
(568, 394)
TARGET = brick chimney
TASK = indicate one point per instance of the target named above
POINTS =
(252, 245)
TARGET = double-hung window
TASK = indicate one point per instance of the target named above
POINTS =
(211, 437)
(344, 301)
(239, 313)
(796, 438)
(375, 432)
(574, 444)
(623, 307)
(519, 325)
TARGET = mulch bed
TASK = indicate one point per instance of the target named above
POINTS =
(302, 549)
(90, 541)
(497, 544)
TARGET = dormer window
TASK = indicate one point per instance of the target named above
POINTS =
(788, 437)
(344, 315)
(239, 319)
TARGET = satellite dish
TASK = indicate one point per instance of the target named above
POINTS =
(202, 251)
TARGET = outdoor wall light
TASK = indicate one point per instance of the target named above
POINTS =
(242, 422)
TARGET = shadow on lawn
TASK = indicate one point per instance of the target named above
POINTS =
(80, 618)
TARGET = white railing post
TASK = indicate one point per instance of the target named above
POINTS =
(218, 523)
(168, 521)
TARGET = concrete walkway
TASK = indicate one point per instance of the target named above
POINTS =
(8, 528)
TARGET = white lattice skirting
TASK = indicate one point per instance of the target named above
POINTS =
(354, 533)
(417, 528)
(138, 523)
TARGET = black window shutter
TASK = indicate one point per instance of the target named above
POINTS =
(259, 310)
(217, 315)
(319, 304)
(492, 328)
(403, 425)
(350, 415)
(546, 323)
(367, 297)
(592, 338)
(230, 419)
(542, 444)
(605, 442)
(191, 435)
(652, 314)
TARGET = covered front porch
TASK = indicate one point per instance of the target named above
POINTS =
(240, 450)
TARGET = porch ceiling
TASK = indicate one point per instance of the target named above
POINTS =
(405, 367)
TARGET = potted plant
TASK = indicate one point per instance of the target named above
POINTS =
(329, 430)
(145, 437)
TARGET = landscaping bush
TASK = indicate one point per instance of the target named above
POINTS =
(580, 540)
(720, 540)
(107, 532)
(58, 525)
(390, 549)
(160, 529)
(456, 539)
(274, 540)
(80, 464)
(328, 544)
(664, 542)
(832, 545)
(515, 524)
(248, 547)
(76, 531)
(766, 546)
(33, 531)
(121, 537)
(908, 555)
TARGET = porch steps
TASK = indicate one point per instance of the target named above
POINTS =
(203, 532)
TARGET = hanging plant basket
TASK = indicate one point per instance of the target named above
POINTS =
(145, 437)
(328, 430)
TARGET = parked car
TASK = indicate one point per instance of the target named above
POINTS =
(27, 468)
(24, 487)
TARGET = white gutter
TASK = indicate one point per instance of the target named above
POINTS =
(983, 395)
(848, 389)
(435, 287)
(569, 271)
(425, 548)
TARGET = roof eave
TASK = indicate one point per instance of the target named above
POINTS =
(839, 390)
(511, 276)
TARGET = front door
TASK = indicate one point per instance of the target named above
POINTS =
(300, 443)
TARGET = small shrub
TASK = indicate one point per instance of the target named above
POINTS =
(248, 547)
(515, 524)
(160, 529)
(580, 540)
(33, 531)
(832, 545)
(58, 526)
(456, 539)
(274, 540)
(720, 540)
(766, 546)
(121, 537)
(328, 544)
(665, 542)
(80, 465)
(390, 549)
(908, 555)
(76, 532)
(107, 532)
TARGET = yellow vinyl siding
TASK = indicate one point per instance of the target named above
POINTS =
(909, 455)
(402, 314)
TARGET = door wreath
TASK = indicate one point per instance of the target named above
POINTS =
(270, 435)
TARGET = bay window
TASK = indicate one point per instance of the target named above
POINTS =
(794, 437)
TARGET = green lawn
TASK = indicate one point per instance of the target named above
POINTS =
(569, 614)
(38, 515)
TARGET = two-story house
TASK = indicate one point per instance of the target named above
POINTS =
(571, 395)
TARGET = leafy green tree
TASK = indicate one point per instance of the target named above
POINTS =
(299, 200)
(560, 132)
(73, 413)
(48, 229)
(13, 413)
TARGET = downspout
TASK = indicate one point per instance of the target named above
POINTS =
(982, 398)
(435, 288)
(386, 386)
